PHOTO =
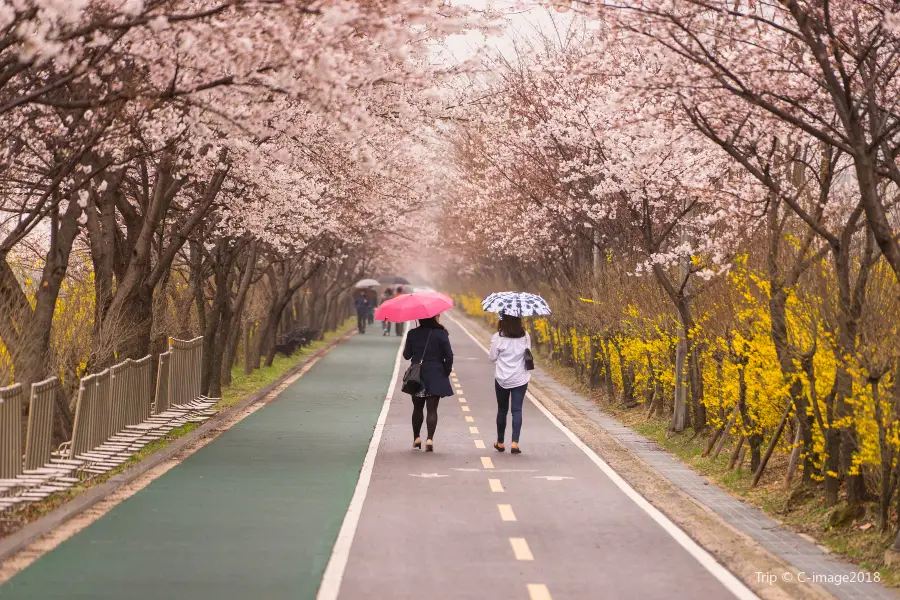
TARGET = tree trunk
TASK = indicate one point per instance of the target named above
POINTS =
(680, 419)
(738, 448)
(794, 461)
(722, 432)
(248, 353)
(26, 331)
(771, 448)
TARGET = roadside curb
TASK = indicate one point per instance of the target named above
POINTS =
(21, 539)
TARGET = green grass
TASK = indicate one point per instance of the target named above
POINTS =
(241, 387)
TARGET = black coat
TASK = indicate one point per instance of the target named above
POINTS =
(438, 358)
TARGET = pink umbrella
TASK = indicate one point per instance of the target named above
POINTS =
(409, 307)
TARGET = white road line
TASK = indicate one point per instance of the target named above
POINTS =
(496, 486)
(470, 419)
(334, 571)
(725, 577)
(506, 512)
(473, 430)
(479, 444)
(466, 409)
(538, 591)
(521, 549)
(486, 462)
(462, 400)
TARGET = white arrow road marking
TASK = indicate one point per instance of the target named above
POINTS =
(474, 470)
(553, 477)
(427, 475)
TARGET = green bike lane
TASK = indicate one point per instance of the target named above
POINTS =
(253, 514)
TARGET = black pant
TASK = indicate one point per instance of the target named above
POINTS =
(361, 319)
(518, 399)
(418, 417)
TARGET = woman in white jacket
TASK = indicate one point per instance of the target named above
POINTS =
(511, 378)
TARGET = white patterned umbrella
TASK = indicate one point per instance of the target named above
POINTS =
(516, 304)
(366, 283)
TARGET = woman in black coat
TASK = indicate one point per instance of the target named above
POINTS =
(431, 341)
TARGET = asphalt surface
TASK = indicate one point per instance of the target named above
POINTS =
(255, 513)
(437, 526)
(251, 515)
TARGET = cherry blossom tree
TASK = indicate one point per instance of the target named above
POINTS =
(570, 151)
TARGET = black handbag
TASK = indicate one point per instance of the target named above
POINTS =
(412, 379)
(529, 360)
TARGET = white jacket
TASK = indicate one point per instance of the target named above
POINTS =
(509, 356)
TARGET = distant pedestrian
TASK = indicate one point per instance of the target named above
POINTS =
(399, 327)
(372, 297)
(429, 343)
(386, 325)
(508, 348)
(361, 303)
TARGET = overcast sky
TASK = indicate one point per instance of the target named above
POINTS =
(521, 25)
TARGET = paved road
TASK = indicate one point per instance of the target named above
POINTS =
(255, 513)
(251, 515)
(468, 522)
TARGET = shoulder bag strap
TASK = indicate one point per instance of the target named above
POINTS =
(426, 346)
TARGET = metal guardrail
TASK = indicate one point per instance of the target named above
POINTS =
(11, 430)
(39, 439)
(116, 415)
(186, 358)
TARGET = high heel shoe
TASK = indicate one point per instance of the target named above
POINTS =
(417, 444)
(429, 446)
(499, 447)
(515, 449)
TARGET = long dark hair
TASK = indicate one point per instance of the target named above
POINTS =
(430, 323)
(510, 327)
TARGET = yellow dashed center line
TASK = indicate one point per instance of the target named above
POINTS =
(479, 444)
(538, 591)
(470, 419)
(486, 462)
(506, 512)
(462, 400)
(473, 430)
(466, 409)
(496, 486)
(521, 549)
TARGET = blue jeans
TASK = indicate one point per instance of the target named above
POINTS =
(503, 397)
